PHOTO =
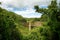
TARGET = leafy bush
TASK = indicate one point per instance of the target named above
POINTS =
(8, 29)
(39, 33)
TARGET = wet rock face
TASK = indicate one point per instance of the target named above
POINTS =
(37, 23)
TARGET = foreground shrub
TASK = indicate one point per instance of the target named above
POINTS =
(40, 33)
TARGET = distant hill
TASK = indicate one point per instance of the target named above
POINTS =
(18, 19)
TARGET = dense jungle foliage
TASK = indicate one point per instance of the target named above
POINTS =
(13, 26)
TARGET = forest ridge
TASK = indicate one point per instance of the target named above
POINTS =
(15, 27)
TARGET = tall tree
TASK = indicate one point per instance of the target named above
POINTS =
(53, 12)
(0, 2)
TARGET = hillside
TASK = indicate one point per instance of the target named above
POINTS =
(15, 27)
(13, 23)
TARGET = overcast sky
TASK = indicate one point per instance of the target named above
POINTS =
(24, 7)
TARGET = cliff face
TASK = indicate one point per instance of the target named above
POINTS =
(37, 23)
(34, 24)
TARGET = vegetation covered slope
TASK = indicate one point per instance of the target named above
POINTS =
(8, 25)
(12, 28)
